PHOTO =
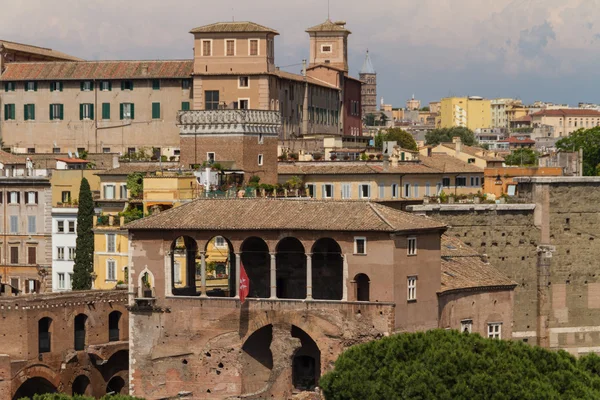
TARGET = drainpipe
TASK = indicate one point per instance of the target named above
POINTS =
(305, 105)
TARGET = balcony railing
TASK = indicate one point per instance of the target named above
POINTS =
(229, 121)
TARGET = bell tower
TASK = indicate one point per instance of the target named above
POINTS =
(368, 77)
(329, 44)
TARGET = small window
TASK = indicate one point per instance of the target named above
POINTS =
(126, 85)
(461, 181)
(124, 191)
(220, 242)
(31, 224)
(56, 150)
(326, 48)
(105, 86)
(60, 226)
(71, 226)
(86, 86)
(56, 86)
(31, 86)
(66, 197)
(60, 253)
(31, 150)
(327, 191)
(495, 331)
(394, 191)
(29, 112)
(127, 111)
(111, 270)
(155, 110)
(32, 198)
(156, 84)
(9, 86)
(186, 84)
(31, 255)
(312, 190)
(260, 138)
(106, 149)
(244, 82)
(61, 280)
(14, 224)
(106, 111)
(14, 255)
(56, 112)
(412, 288)
(71, 253)
(360, 245)
(407, 190)
(260, 159)
(346, 191)
(253, 48)
(109, 192)
(111, 242)
(206, 48)
(9, 112)
(211, 101)
(230, 47)
(471, 161)
(466, 326)
(365, 191)
(185, 106)
(210, 157)
(412, 246)
(13, 197)
(381, 191)
(446, 182)
(86, 111)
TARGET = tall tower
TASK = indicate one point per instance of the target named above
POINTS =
(368, 77)
(329, 44)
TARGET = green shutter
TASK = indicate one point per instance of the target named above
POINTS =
(6, 86)
(132, 111)
(6, 112)
(52, 86)
(131, 85)
(81, 112)
(51, 116)
(25, 112)
(91, 111)
(122, 85)
(60, 86)
(121, 110)
(105, 110)
(35, 86)
(62, 111)
(32, 113)
(155, 110)
(12, 112)
(185, 105)
(156, 84)
(81, 85)
(109, 86)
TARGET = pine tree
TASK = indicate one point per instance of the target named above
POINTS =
(84, 251)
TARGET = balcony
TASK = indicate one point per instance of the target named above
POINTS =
(229, 121)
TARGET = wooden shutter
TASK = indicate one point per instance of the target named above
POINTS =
(6, 86)
(121, 110)
(18, 197)
(109, 86)
(130, 85)
(91, 111)
(132, 111)
(60, 86)
(81, 85)
(155, 110)
(26, 112)
(105, 110)
(12, 112)
(35, 86)
(122, 85)
(50, 113)
(36, 198)
(156, 84)
(81, 112)
(14, 255)
(31, 255)
(6, 112)
(185, 106)
(62, 110)
(32, 113)
(1, 197)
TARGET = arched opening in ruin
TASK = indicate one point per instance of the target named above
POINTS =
(117, 365)
(80, 331)
(82, 386)
(45, 335)
(257, 360)
(291, 269)
(327, 270)
(257, 263)
(116, 386)
(306, 364)
(362, 282)
(184, 254)
(33, 386)
(220, 268)
(114, 321)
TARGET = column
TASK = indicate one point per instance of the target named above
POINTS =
(308, 276)
(273, 276)
(203, 273)
(345, 284)
(238, 262)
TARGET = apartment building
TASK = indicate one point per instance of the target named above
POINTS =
(499, 109)
(19, 52)
(564, 121)
(477, 156)
(471, 112)
(64, 238)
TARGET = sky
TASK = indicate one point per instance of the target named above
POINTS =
(528, 49)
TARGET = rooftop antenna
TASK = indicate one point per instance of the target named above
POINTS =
(328, 10)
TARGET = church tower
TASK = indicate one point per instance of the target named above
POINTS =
(368, 77)
(329, 45)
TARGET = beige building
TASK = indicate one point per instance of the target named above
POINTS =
(19, 52)
(477, 156)
(413, 104)
(470, 112)
(565, 121)
(499, 108)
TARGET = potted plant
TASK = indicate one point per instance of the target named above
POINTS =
(333, 157)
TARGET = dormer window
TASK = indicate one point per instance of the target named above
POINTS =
(326, 48)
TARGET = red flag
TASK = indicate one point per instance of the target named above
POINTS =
(244, 284)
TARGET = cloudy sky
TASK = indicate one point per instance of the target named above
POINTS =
(530, 49)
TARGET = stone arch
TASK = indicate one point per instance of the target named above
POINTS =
(257, 263)
(184, 252)
(28, 380)
(114, 326)
(220, 258)
(115, 370)
(45, 327)
(116, 385)
(291, 269)
(306, 363)
(81, 386)
(257, 360)
(80, 332)
(33, 386)
(327, 270)
(362, 291)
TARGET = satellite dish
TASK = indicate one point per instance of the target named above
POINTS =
(76, 154)
(70, 155)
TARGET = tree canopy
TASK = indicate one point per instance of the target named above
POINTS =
(589, 141)
(84, 244)
(522, 157)
(442, 365)
(445, 135)
(403, 138)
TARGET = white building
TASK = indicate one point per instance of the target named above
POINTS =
(64, 236)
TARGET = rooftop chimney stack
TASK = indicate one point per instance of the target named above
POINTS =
(457, 144)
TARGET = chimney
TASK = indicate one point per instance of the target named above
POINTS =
(429, 151)
(457, 144)
(386, 162)
(144, 69)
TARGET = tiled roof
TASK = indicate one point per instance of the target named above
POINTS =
(41, 51)
(329, 26)
(72, 160)
(474, 151)
(281, 74)
(526, 118)
(233, 27)
(285, 214)
(8, 158)
(126, 169)
(448, 164)
(463, 268)
(56, 70)
(567, 112)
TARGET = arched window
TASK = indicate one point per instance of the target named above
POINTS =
(220, 268)
(184, 254)
(362, 287)
(81, 385)
(291, 269)
(79, 330)
(44, 335)
(306, 365)
(327, 270)
(114, 319)
(257, 263)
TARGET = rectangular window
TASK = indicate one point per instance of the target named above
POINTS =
(155, 110)
(461, 181)
(31, 224)
(495, 331)
(177, 272)
(105, 111)
(427, 189)
(9, 86)
(446, 182)
(86, 86)
(29, 112)
(56, 150)
(230, 47)
(412, 246)
(111, 242)
(105, 86)
(111, 270)
(32, 255)
(127, 111)
(126, 85)
(244, 104)
(86, 111)
(71, 253)
(327, 191)
(466, 326)
(60, 253)
(56, 112)
(156, 84)
(325, 48)
(346, 191)
(253, 47)
(9, 112)
(123, 192)
(31, 150)
(416, 190)
(311, 190)
(14, 197)
(211, 100)
(260, 138)
(407, 190)
(31, 86)
(244, 82)
(220, 242)
(210, 157)
(206, 48)
(56, 86)
(360, 245)
(106, 149)
(381, 191)
(14, 224)
(66, 197)
(411, 284)
(61, 280)
(14, 255)
(260, 159)
(365, 191)
(60, 226)
(71, 226)
(394, 191)
(32, 197)
(109, 192)
(186, 84)
(185, 106)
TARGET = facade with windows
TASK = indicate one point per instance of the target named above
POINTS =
(111, 257)
(64, 237)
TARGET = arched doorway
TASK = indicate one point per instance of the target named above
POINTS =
(327, 270)
(257, 360)
(44, 335)
(257, 263)
(306, 364)
(184, 262)
(80, 332)
(116, 386)
(33, 386)
(81, 386)
(220, 268)
(362, 283)
(114, 332)
(291, 269)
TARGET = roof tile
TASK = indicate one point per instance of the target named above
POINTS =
(233, 27)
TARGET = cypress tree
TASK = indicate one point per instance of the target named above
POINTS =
(84, 251)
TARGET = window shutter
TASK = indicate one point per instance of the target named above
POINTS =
(26, 112)
(130, 85)
(122, 85)
(155, 110)
(185, 106)
(52, 86)
(91, 111)
(35, 86)
(81, 112)
(109, 86)
(132, 111)
(12, 112)
(6, 112)
(6, 86)
(121, 110)
(51, 116)
(60, 86)
(18, 197)
(36, 198)
(105, 110)
(323, 192)
(62, 111)
(156, 84)
(32, 114)
(81, 85)
(1, 197)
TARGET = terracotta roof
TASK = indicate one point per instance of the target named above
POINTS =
(285, 214)
(463, 268)
(41, 51)
(474, 151)
(567, 112)
(517, 139)
(233, 27)
(73, 160)
(448, 164)
(126, 169)
(329, 26)
(8, 158)
(526, 118)
(54, 70)
(279, 73)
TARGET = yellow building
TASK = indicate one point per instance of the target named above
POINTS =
(169, 191)
(111, 253)
(66, 183)
(470, 112)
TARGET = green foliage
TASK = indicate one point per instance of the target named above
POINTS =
(403, 138)
(426, 109)
(522, 157)
(445, 135)
(447, 365)
(83, 155)
(523, 130)
(295, 182)
(84, 250)
(589, 141)
(370, 119)
(61, 396)
(135, 184)
(254, 181)
(364, 156)
(132, 213)
(383, 119)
